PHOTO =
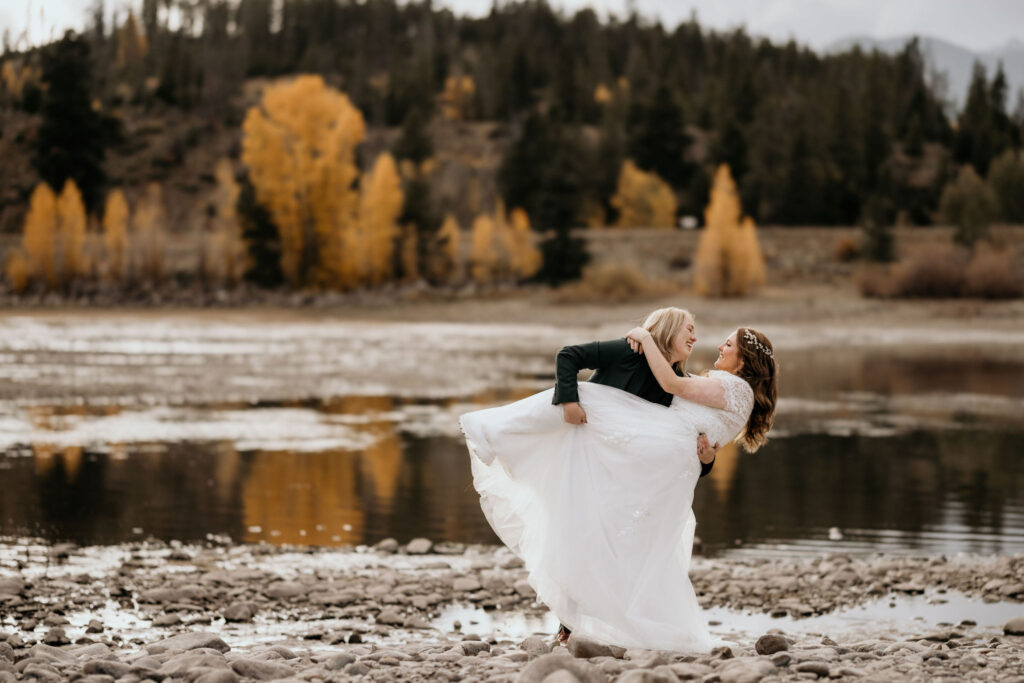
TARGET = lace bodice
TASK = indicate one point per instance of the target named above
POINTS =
(722, 425)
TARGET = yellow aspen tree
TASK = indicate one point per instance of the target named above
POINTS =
(380, 204)
(643, 199)
(148, 236)
(70, 242)
(448, 259)
(602, 95)
(39, 235)
(484, 259)
(116, 215)
(131, 43)
(457, 97)
(300, 144)
(17, 271)
(729, 260)
(504, 247)
(527, 258)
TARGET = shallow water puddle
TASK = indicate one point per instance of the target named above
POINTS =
(900, 617)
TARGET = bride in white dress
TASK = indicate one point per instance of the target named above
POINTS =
(600, 513)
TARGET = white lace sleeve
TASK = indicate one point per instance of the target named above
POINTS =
(739, 397)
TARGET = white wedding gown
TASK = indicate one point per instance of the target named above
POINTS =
(601, 513)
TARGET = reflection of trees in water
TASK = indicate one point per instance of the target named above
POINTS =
(303, 498)
(826, 371)
(799, 487)
(91, 497)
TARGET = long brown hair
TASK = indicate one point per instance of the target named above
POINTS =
(760, 370)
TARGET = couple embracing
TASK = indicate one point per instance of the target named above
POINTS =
(592, 484)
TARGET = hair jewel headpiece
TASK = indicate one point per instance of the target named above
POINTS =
(749, 337)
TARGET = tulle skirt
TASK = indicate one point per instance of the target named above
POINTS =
(599, 513)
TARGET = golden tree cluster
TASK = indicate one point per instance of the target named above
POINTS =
(729, 260)
(457, 97)
(300, 148)
(52, 250)
(643, 199)
(503, 247)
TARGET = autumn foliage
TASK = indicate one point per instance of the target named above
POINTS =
(643, 200)
(503, 247)
(52, 250)
(729, 260)
(300, 148)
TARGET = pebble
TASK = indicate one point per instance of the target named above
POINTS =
(770, 643)
(419, 546)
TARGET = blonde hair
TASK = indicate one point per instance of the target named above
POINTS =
(664, 324)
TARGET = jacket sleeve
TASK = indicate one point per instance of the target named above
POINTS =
(571, 359)
(705, 467)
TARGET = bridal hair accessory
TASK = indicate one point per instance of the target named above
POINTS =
(749, 337)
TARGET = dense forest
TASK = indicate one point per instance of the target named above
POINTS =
(619, 121)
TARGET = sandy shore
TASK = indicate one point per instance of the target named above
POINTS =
(426, 612)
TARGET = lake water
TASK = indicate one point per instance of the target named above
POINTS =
(301, 431)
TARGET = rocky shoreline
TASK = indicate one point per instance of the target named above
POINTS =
(224, 612)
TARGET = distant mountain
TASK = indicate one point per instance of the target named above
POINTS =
(952, 61)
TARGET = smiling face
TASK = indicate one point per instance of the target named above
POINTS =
(729, 355)
(682, 343)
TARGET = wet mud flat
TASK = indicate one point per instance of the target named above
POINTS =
(427, 612)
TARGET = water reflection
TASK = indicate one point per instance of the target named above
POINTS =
(927, 491)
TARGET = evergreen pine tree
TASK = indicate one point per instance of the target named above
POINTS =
(73, 137)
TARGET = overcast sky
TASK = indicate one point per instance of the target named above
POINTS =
(974, 24)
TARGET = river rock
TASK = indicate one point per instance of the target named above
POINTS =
(388, 545)
(216, 676)
(56, 636)
(536, 646)
(390, 616)
(339, 661)
(167, 620)
(745, 670)
(241, 612)
(585, 648)
(770, 643)
(106, 667)
(159, 595)
(188, 641)
(419, 546)
(471, 648)
(95, 626)
(660, 675)
(466, 584)
(11, 585)
(561, 676)
(260, 670)
(542, 667)
(814, 667)
(285, 590)
(181, 664)
(1014, 627)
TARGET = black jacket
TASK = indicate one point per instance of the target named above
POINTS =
(615, 365)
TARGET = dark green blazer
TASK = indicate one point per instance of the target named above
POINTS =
(614, 365)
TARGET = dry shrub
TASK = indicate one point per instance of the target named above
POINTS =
(936, 272)
(613, 283)
(846, 250)
(991, 275)
(875, 281)
(944, 272)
